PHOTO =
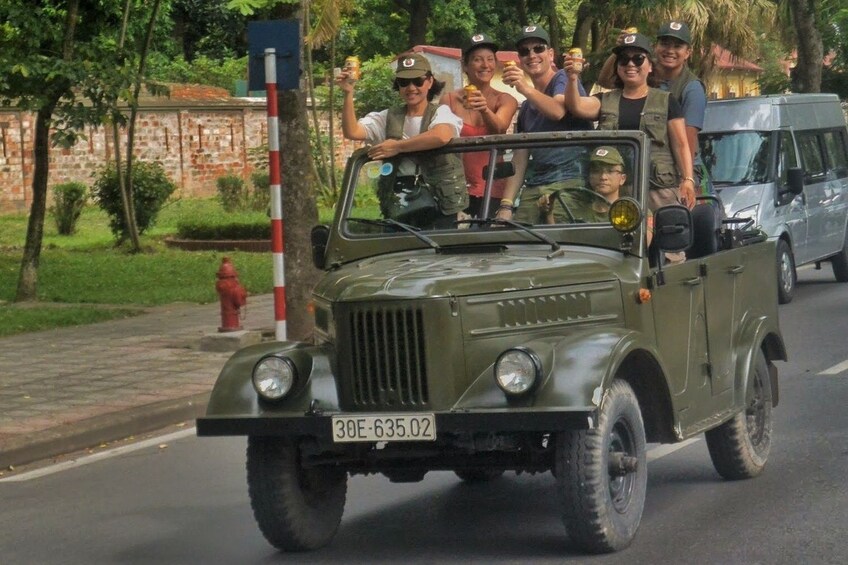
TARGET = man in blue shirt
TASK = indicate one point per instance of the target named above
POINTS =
(542, 170)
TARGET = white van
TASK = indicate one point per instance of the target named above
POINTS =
(782, 162)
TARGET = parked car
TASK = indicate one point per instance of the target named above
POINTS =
(494, 346)
(782, 161)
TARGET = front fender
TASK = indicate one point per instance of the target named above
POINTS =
(576, 371)
(234, 395)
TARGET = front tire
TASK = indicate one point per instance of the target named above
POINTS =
(296, 509)
(786, 275)
(602, 475)
(739, 448)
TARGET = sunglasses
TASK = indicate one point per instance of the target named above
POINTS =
(624, 60)
(537, 49)
(417, 81)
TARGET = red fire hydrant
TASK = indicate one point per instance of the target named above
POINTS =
(231, 295)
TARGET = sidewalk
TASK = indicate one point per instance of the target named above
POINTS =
(72, 388)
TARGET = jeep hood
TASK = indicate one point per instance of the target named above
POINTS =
(433, 275)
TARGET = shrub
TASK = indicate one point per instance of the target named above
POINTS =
(260, 197)
(151, 188)
(231, 192)
(68, 202)
(225, 225)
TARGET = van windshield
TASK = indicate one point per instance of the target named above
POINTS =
(737, 157)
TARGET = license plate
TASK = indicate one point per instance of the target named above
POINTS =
(387, 427)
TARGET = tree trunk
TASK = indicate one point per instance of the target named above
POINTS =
(28, 276)
(300, 213)
(807, 74)
(554, 31)
(419, 16)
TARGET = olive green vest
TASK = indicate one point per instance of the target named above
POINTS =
(444, 173)
(654, 122)
(678, 85)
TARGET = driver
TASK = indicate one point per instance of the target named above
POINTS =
(607, 176)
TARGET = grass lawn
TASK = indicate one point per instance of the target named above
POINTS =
(87, 270)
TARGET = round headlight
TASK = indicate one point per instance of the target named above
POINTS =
(273, 377)
(625, 214)
(517, 370)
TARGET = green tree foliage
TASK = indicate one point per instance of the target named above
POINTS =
(151, 189)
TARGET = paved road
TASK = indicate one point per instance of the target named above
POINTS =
(185, 501)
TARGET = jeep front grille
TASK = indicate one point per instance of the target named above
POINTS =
(388, 361)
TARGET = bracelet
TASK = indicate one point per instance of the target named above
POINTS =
(507, 201)
(692, 179)
(509, 207)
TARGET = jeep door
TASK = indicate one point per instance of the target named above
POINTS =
(680, 324)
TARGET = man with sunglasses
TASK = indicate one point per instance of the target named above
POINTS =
(542, 170)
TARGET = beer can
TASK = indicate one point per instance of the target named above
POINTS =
(631, 30)
(351, 66)
(469, 91)
(577, 60)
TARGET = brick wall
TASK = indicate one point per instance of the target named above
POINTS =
(198, 134)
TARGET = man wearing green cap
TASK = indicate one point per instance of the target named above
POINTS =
(607, 177)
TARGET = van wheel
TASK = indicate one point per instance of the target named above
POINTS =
(602, 475)
(839, 262)
(296, 509)
(739, 448)
(786, 276)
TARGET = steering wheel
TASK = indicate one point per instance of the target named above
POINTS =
(557, 194)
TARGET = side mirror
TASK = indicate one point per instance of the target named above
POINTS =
(795, 180)
(673, 228)
(319, 237)
(503, 170)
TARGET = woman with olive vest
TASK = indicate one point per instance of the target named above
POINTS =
(635, 105)
(416, 125)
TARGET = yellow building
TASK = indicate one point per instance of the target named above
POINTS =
(731, 76)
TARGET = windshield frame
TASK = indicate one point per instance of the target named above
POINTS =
(344, 245)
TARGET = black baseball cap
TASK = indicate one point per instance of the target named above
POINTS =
(635, 40)
(479, 40)
(677, 30)
(534, 32)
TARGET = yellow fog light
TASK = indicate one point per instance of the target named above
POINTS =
(625, 214)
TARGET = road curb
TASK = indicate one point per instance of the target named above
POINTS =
(99, 429)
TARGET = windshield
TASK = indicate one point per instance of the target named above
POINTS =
(461, 187)
(737, 157)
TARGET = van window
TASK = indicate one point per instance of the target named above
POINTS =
(811, 156)
(740, 157)
(837, 153)
(786, 157)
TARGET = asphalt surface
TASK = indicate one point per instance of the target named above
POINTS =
(72, 388)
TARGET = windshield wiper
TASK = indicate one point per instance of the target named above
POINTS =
(525, 227)
(388, 222)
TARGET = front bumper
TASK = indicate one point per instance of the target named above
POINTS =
(319, 426)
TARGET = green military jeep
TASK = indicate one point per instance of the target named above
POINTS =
(491, 345)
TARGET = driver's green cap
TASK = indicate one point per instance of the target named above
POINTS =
(607, 155)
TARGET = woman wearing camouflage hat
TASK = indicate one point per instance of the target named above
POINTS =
(635, 105)
(415, 125)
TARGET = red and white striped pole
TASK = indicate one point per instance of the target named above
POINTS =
(276, 195)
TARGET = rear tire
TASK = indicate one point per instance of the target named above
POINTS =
(786, 276)
(839, 262)
(602, 475)
(739, 448)
(296, 509)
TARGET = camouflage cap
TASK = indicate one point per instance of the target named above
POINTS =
(412, 65)
(607, 155)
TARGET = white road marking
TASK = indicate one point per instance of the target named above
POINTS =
(669, 448)
(652, 455)
(836, 369)
(107, 454)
